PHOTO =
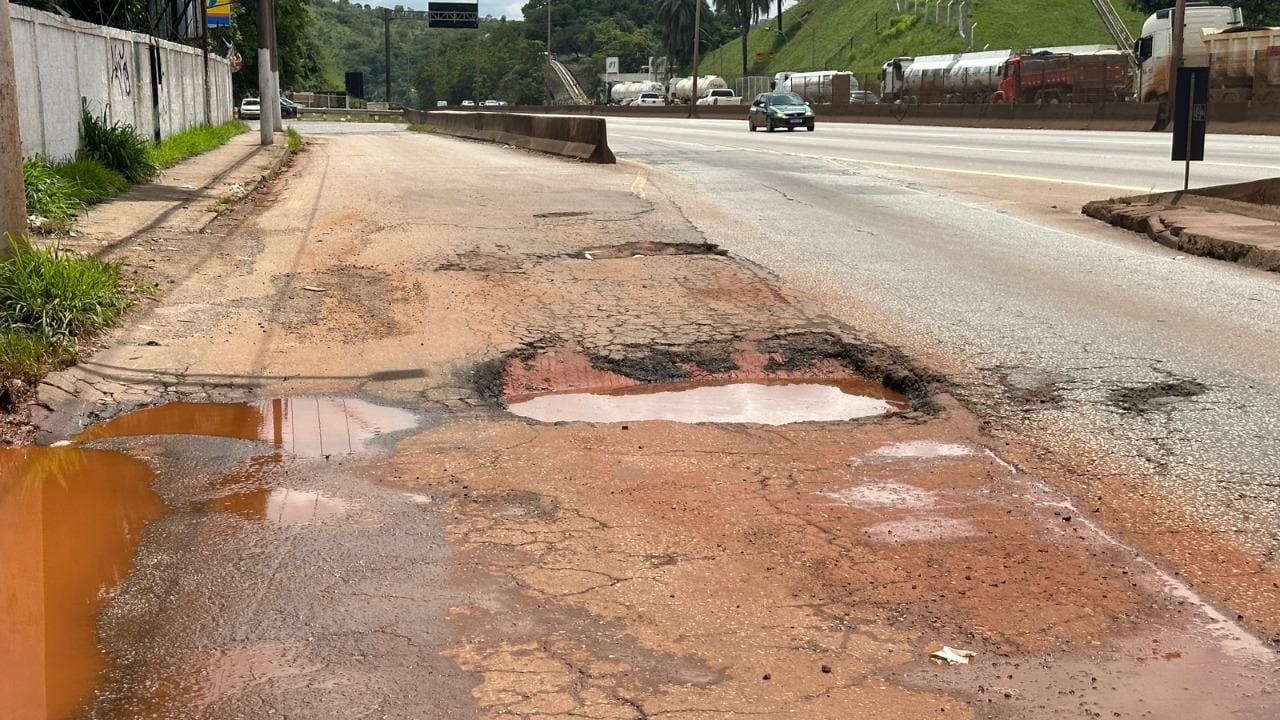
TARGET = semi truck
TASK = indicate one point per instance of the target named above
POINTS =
(1244, 65)
(624, 91)
(680, 90)
(977, 77)
(1153, 47)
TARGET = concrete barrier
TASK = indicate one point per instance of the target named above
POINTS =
(584, 138)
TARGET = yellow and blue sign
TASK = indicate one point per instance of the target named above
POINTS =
(218, 13)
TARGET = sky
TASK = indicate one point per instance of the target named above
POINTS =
(511, 8)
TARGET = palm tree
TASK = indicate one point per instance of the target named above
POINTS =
(744, 12)
(676, 17)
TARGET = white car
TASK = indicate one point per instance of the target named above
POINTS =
(250, 108)
(650, 98)
(468, 103)
(720, 96)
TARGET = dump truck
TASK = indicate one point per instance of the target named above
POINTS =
(1244, 65)
(1057, 77)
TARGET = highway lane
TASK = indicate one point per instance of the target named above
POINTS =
(1056, 327)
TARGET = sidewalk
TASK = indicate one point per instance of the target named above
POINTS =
(185, 198)
(1208, 222)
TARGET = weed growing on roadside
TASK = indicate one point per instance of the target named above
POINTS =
(51, 198)
(117, 146)
(295, 140)
(26, 355)
(189, 143)
(59, 296)
(95, 182)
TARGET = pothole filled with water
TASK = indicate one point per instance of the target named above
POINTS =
(302, 427)
(649, 249)
(762, 402)
(71, 518)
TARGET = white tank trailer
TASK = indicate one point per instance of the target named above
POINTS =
(631, 90)
(814, 87)
(680, 90)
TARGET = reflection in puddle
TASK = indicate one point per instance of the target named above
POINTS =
(760, 402)
(303, 427)
(69, 521)
(280, 506)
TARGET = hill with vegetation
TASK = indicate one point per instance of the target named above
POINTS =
(862, 36)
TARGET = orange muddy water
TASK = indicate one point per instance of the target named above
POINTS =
(758, 402)
(69, 521)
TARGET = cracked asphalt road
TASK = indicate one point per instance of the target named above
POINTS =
(483, 565)
(966, 247)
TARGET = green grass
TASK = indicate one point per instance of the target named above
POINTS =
(862, 36)
(117, 146)
(51, 198)
(50, 300)
(189, 143)
(295, 139)
(94, 181)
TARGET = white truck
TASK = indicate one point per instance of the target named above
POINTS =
(680, 90)
(720, 96)
(630, 91)
(814, 87)
(1152, 48)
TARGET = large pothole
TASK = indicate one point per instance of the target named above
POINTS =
(805, 377)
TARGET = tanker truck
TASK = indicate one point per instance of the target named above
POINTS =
(631, 90)
(680, 90)
(814, 87)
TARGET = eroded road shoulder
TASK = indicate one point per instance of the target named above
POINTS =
(834, 520)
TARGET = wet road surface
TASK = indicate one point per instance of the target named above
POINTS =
(1142, 374)
(353, 525)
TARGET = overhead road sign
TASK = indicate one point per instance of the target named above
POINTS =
(455, 15)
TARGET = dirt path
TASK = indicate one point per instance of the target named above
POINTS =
(325, 558)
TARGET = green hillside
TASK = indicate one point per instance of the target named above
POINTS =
(861, 36)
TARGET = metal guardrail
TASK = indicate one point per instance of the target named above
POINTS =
(345, 111)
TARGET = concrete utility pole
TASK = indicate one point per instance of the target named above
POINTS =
(266, 118)
(278, 122)
(1175, 50)
(697, 47)
(13, 196)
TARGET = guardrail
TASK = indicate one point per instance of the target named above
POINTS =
(584, 138)
(359, 112)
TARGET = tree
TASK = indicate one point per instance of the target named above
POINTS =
(676, 18)
(299, 64)
(743, 12)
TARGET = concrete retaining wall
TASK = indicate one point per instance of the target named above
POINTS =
(579, 137)
(59, 61)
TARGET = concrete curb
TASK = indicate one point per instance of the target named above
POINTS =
(1151, 220)
(575, 136)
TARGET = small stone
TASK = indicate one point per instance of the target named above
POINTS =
(767, 676)
(313, 288)
(826, 669)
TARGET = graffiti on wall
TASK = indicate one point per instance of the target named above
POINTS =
(120, 69)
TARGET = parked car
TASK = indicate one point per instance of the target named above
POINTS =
(720, 96)
(650, 98)
(863, 97)
(250, 108)
(288, 108)
(442, 103)
(490, 103)
(468, 103)
(780, 109)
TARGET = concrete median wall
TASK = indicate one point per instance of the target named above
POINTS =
(1107, 116)
(584, 138)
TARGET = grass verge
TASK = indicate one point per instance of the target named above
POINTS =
(295, 139)
(52, 199)
(189, 143)
(50, 301)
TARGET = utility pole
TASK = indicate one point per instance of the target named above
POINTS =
(204, 50)
(779, 17)
(386, 49)
(551, 96)
(1175, 51)
(278, 124)
(697, 46)
(266, 118)
(13, 196)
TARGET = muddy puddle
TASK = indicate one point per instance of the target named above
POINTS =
(762, 402)
(301, 427)
(71, 518)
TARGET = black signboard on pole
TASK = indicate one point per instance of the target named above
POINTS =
(457, 15)
(1191, 116)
